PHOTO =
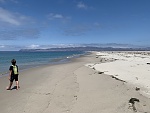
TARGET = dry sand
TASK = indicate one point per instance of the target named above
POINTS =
(70, 88)
(132, 67)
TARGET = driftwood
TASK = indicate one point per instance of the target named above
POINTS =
(132, 103)
(117, 79)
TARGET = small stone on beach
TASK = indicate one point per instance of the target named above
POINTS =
(137, 89)
(100, 72)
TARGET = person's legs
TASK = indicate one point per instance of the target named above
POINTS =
(11, 82)
(9, 87)
(17, 85)
(17, 82)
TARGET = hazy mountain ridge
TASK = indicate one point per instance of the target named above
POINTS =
(93, 47)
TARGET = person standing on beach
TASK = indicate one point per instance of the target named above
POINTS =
(13, 75)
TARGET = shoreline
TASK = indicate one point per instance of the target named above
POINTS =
(27, 60)
(69, 88)
(55, 61)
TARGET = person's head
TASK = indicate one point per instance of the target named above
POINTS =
(13, 61)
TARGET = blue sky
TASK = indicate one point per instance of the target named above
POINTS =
(43, 23)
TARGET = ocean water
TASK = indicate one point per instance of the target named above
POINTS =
(27, 60)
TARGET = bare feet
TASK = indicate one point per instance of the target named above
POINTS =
(7, 88)
(17, 87)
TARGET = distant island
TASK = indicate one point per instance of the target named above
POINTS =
(87, 49)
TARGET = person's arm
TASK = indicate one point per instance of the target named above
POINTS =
(9, 74)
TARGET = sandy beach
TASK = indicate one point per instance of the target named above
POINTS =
(84, 85)
(132, 67)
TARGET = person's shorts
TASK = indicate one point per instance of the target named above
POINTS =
(14, 77)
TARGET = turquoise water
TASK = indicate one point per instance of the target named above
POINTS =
(27, 60)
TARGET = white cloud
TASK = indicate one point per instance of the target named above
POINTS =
(8, 17)
(55, 16)
(60, 17)
(33, 46)
(13, 26)
(81, 5)
(10, 47)
(2, 46)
